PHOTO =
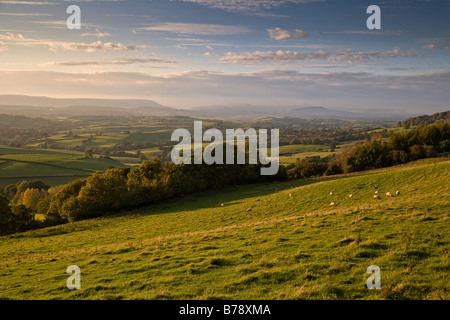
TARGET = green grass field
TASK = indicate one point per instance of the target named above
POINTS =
(300, 148)
(286, 247)
(54, 167)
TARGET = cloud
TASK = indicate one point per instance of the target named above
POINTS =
(97, 34)
(60, 24)
(434, 47)
(396, 53)
(280, 34)
(90, 47)
(26, 2)
(3, 47)
(122, 61)
(254, 7)
(280, 56)
(196, 28)
(259, 57)
(24, 14)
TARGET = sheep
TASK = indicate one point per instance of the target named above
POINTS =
(397, 193)
(331, 193)
(376, 197)
(290, 195)
(350, 196)
(375, 187)
(249, 209)
(388, 194)
(376, 192)
(222, 205)
(258, 199)
(333, 204)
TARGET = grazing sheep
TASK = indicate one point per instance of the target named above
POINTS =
(258, 199)
(376, 197)
(375, 187)
(350, 196)
(290, 195)
(376, 192)
(222, 205)
(331, 193)
(249, 209)
(388, 194)
(333, 204)
(397, 193)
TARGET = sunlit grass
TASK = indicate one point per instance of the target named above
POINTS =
(286, 247)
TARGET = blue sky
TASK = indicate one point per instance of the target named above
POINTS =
(193, 53)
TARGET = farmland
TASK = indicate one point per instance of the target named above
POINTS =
(285, 248)
(54, 167)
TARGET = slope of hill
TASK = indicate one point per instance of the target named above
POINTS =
(53, 107)
(427, 119)
(284, 248)
(32, 101)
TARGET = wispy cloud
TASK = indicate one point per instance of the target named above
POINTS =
(280, 56)
(60, 24)
(27, 2)
(196, 28)
(254, 7)
(55, 46)
(122, 61)
(281, 34)
(15, 14)
(90, 47)
(97, 34)
(260, 57)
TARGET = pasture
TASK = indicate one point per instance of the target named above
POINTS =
(286, 247)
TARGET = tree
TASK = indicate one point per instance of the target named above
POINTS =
(31, 197)
(24, 219)
(104, 192)
(88, 153)
(6, 217)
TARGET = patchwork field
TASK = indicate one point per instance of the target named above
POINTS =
(50, 166)
(286, 247)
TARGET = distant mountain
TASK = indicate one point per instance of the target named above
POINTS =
(20, 100)
(246, 111)
(54, 107)
(319, 112)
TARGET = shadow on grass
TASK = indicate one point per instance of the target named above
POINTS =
(230, 195)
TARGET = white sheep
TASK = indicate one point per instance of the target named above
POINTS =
(249, 209)
(388, 194)
(376, 197)
(222, 205)
(376, 192)
(331, 193)
(350, 196)
(333, 204)
(290, 195)
(397, 193)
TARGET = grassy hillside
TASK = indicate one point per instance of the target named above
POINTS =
(53, 167)
(284, 248)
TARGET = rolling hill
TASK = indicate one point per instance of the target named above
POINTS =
(286, 247)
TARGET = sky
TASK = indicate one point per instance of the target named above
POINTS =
(197, 53)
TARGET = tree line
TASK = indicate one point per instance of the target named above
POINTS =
(401, 147)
